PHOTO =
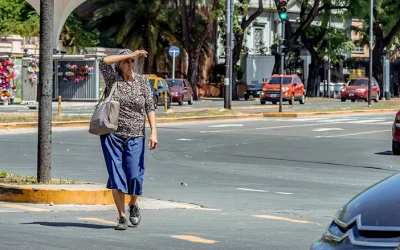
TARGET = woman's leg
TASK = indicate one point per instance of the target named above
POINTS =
(119, 199)
(134, 169)
(113, 149)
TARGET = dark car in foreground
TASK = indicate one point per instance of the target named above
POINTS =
(253, 91)
(370, 221)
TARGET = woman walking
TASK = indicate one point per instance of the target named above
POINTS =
(124, 150)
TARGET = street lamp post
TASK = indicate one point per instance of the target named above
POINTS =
(371, 39)
(227, 57)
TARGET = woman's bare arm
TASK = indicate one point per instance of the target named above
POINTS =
(118, 58)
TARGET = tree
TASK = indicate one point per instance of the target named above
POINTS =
(19, 18)
(386, 25)
(323, 41)
(196, 29)
(137, 24)
(77, 36)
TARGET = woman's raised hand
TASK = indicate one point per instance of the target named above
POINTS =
(139, 53)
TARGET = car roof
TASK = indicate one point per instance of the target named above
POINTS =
(278, 75)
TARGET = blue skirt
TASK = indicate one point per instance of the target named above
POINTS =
(124, 159)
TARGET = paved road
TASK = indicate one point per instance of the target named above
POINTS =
(266, 183)
(251, 106)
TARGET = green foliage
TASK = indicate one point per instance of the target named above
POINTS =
(18, 17)
(78, 36)
(3, 174)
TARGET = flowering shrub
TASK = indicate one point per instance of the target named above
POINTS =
(6, 75)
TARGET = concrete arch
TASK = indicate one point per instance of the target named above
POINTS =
(62, 9)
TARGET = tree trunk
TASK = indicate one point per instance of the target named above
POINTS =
(193, 72)
(377, 65)
(277, 64)
(312, 81)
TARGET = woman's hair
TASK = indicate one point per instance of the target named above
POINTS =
(139, 62)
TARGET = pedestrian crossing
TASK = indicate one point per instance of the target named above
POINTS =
(370, 120)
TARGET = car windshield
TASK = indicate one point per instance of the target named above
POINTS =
(258, 86)
(358, 82)
(151, 81)
(277, 80)
(175, 83)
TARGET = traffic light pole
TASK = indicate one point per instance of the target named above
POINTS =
(227, 58)
(371, 40)
(282, 67)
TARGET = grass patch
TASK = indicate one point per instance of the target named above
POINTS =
(375, 106)
(30, 180)
(199, 113)
(11, 119)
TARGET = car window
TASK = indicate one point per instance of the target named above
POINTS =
(151, 81)
(259, 86)
(174, 83)
(277, 80)
(358, 82)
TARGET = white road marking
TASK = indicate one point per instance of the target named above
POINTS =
(225, 125)
(184, 139)
(326, 129)
(253, 190)
(219, 131)
(337, 120)
(283, 193)
(368, 121)
(362, 133)
(292, 126)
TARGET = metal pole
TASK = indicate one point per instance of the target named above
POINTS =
(282, 68)
(371, 39)
(173, 65)
(227, 57)
(232, 44)
(329, 66)
(45, 77)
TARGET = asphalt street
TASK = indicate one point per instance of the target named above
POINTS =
(270, 183)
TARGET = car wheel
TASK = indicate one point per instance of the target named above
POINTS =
(155, 100)
(343, 99)
(262, 102)
(377, 97)
(303, 99)
(190, 102)
(246, 97)
(181, 101)
(396, 148)
(274, 102)
(353, 100)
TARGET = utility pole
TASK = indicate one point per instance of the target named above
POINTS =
(232, 45)
(329, 65)
(282, 46)
(227, 104)
(45, 91)
(371, 41)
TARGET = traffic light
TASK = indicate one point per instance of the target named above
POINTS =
(283, 9)
(282, 46)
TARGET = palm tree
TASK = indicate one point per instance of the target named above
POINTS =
(146, 24)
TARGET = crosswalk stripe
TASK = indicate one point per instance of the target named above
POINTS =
(26, 208)
(194, 239)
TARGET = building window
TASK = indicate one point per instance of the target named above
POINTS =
(358, 49)
(258, 39)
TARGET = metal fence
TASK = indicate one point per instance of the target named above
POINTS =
(76, 80)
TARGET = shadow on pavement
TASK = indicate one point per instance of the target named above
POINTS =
(69, 224)
(389, 152)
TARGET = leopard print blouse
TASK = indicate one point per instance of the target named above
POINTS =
(136, 100)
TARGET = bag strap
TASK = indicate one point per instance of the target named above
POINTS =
(113, 92)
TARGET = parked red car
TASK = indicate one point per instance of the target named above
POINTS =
(181, 91)
(396, 134)
(357, 88)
